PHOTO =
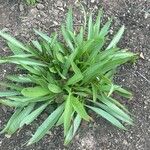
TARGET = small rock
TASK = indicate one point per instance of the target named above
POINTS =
(34, 11)
(111, 31)
(125, 142)
(146, 15)
(59, 3)
(21, 8)
(92, 1)
(61, 8)
(8, 25)
(28, 133)
(8, 136)
(12, 8)
(55, 23)
(142, 55)
(49, 133)
(40, 6)
(43, 14)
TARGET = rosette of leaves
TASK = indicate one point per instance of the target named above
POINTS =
(74, 74)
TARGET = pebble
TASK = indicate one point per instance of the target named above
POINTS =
(12, 8)
(125, 142)
(59, 3)
(55, 23)
(21, 8)
(92, 1)
(40, 6)
(43, 14)
(146, 15)
(8, 136)
(34, 11)
(28, 133)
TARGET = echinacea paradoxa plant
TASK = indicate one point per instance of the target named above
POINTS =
(74, 74)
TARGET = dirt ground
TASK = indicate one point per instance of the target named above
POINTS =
(19, 19)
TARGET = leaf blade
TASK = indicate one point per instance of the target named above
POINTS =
(46, 125)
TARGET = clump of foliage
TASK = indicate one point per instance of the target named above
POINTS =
(74, 75)
(31, 2)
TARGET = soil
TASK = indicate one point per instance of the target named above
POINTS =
(19, 19)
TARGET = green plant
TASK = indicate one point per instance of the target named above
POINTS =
(31, 2)
(74, 76)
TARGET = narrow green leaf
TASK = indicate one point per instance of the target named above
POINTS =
(54, 88)
(67, 114)
(95, 50)
(83, 94)
(79, 108)
(19, 79)
(9, 93)
(60, 74)
(107, 116)
(60, 120)
(60, 57)
(66, 66)
(121, 91)
(93, 70)
(90, 27)
(11, 86)
(33, 115)
(106, 101)
(46, 125)
(54, 39)
(80, 36)
(31, 69)
(105, 28)
(19, 98)
(67, 38)
(34, 92)
(113, 113)
(111, 90)
(16, 50)
(97, 24)
(86, 46)
(10, 103)
(12, 118)
(16, 122)
(32, 99)
(21, 56)
(118, 104)
(73, 38)
(50, 78)
(25, 61)
(69, 20)
(73, 129)
(37, 45)
(77, 76)
(39, 81)
(13, 40)
(94, 90)
(42, 35)
(116, 38)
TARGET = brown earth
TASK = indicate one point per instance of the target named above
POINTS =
(19, 19)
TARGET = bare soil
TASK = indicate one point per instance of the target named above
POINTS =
(19, 19)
